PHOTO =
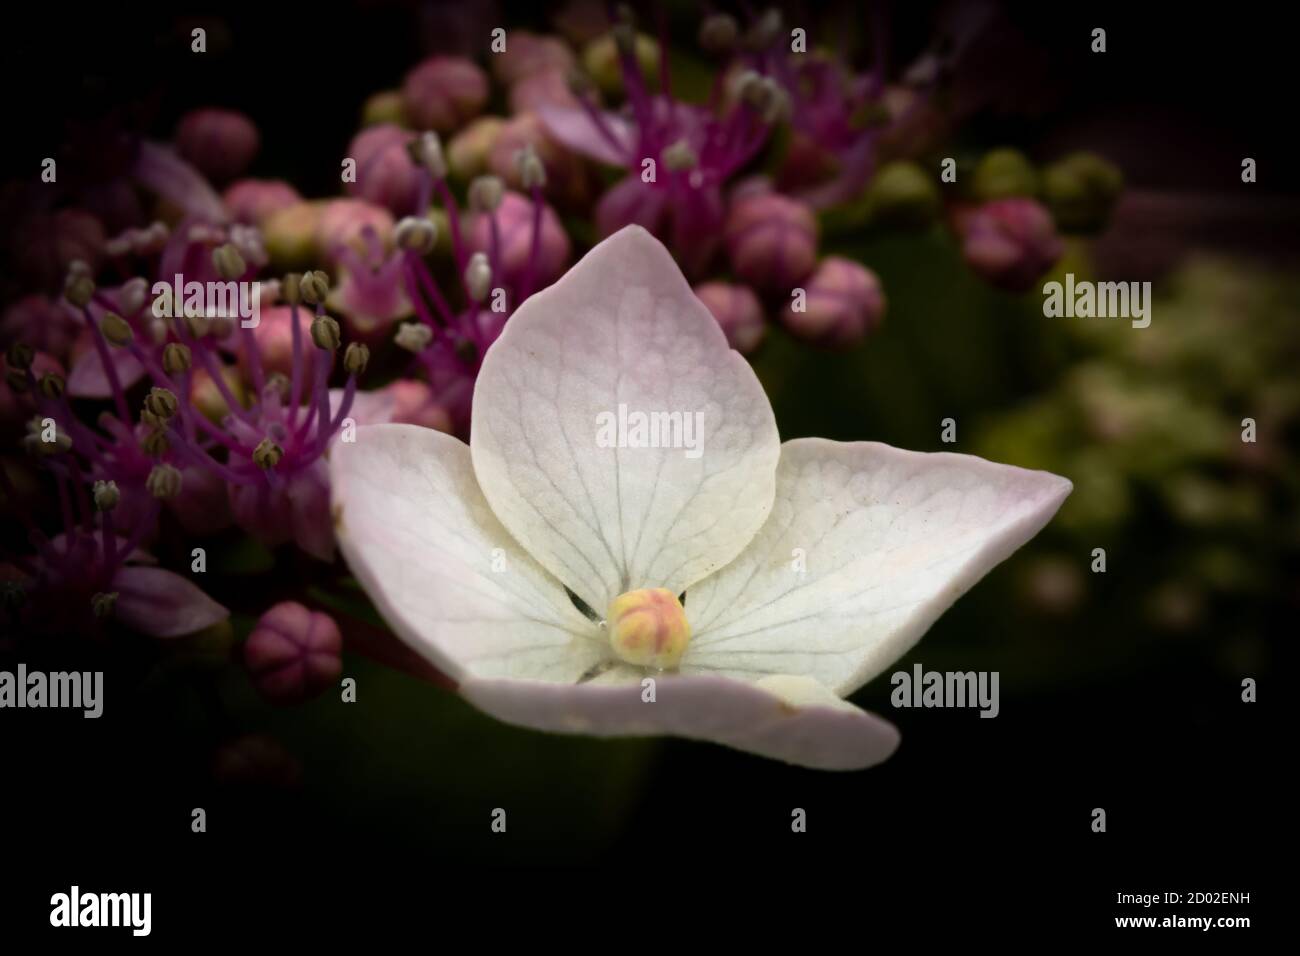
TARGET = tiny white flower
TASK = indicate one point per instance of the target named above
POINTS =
(757, 657)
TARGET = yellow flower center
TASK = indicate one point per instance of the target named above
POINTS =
(648, 628)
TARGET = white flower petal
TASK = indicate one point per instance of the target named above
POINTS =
(416, 532)
(788, 718)
(622, 328)
(890, 538)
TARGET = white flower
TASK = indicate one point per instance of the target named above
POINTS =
(807, 567)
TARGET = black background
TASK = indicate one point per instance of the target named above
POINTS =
(974, 826)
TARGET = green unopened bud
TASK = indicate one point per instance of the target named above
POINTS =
(79, 288)
(718, 33)
(161, 402)
(355, 358)
(1003, 174)
(417, 234)
(904, 196)
(290, 288)
(106, 495)
(176, 358)
(164, 481)
(485, 193)
(52, 385)
(532, 174)
(155, 443)
(104, 604)
(1081, 191)
(325, 333)
(20, 356)
(228, 262)
(478, 277)
(267, 454)
(116, 330)
(314, 286)
(413, 336)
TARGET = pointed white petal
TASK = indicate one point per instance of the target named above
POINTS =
(889, 539)
(445, 575)
(622, 334)
(788, 718)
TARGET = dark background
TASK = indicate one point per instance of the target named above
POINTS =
(987, 819)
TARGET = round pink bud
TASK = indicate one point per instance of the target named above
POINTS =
(293, 653)
(219, 143)
(566, 174)
(386, 175)
(737, 310)
(345, 221)
(253, 201)
(414, 404)
(528, 54)
(273, 339)
(772, 241)
(1011, 242)
(515, 225)
(842, 302)
(547, 88)
(443, 92)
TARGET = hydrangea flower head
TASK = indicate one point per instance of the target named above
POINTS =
(693, 576)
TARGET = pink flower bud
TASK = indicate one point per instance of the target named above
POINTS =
(1011, 242)
(737, 310)
(273, 338)
(842, 302)
(566, 174)
(772, 241)
(528, 54)
(203, 505)
(547, 88)
(293, 653)
(413, 403)
(220, 143)
(386, 175)
(253, 201)
(297, 510)
(443, 92)
(345, 221)
(515, 225)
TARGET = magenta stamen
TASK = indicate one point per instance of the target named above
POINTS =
(534, 253)
(453, 223)
(110, 370)
(415, 266)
